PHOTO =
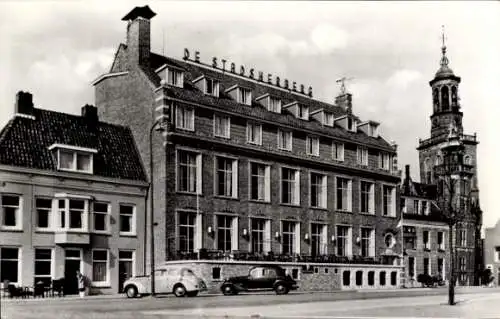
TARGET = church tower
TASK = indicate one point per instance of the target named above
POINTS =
(446, 120)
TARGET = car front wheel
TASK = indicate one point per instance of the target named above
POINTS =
(179, 291)
(281, 289)
(228, 290)
(131, 291)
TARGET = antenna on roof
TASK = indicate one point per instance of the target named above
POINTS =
(342, 81)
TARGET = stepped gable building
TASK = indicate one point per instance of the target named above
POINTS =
(446, 120)
(425, 231)
(72, 197)
(253, 164)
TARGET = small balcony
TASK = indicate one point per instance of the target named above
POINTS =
(71, 238)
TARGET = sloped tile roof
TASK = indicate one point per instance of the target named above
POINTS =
(24, 142)
(225, 102)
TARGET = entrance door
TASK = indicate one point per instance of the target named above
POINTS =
(72, 263)
(125, 267)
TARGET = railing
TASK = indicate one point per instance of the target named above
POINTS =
(443, 137)
(247, 256)
(450, 169)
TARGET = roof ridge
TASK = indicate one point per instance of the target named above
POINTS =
(81, 117)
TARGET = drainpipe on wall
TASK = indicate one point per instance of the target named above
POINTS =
(144, 249)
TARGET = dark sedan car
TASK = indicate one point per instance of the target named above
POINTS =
(260, 278)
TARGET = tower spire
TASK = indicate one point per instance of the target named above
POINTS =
(444, 59)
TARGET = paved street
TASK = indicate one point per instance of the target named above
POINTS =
(479, 303)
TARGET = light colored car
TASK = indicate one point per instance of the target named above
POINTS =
(180, 281)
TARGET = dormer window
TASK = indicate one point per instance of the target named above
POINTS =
(303, 112)
(240, 94)
(244, 96)
(328, 119)
(72, 158)
(347, 122)
(212, 87)
(274, 105)
(175, 77)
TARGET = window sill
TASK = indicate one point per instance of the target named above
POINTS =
(254, 143)
(185, 129)
(259, 201)
(284, 149)
(189, 193)
(224, 137)
(389, 216)
(44, 230)
(290, 205)
(225, 197)
(11, 229)
(104, 233)
(368, 214)
(100, 285)
(127, 234)
(318, 208)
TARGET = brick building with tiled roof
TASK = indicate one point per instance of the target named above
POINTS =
(255, 166)
(72, 197)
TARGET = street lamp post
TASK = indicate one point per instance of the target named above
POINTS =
(162, 110)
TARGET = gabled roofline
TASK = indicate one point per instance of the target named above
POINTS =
(106, 76)
(263, 96)
(290, 104)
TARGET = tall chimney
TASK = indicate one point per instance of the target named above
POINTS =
(89, 112)
(407, 171)
(139, 35)
(24, 103)
(344, 100)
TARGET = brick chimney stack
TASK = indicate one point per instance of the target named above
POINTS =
(139, 35)
(89, 112)
(344, 100)
(24, 103)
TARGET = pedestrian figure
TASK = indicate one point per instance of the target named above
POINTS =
(81, 283)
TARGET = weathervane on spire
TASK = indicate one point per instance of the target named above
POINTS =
(444, 59)
(342, 80)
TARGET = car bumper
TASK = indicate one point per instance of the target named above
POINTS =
(294, 287)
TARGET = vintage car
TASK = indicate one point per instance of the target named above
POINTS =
(180, 281)
(260, 278)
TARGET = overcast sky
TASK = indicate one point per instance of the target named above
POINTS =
(391, 50)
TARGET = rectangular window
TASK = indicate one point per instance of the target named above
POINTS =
(424, 208)
(189, 172)
(101, 217)
(285, 140)
(222, 126)
(184, 118)
(43, 212)
(61, 213)
(411, 267)
(416, 205)
(318, 190)
(427, 265)
(260, 181)
(187, 231)
(440, 265)
(328, 119)
(257, 233)
(175, 78)
(425, 237)
(225, 232)
(384, 161)
(100, 267)
(343, 241)
(274, 105)
(302, 112)
(76, 213)
(463, 264)
(367, 197)
(318, 239)
(497, 254)
(254, 133)
(11, 211)
(366, 242)
(9, 265)
(362, 155)
(290, 179)
(226, 177)
(389, 200)
(463, 237)
(288, 242)
(338, 151)
(212, 87)
(344, 196)
(312, 146)
(440, 240)
(43, 266)
(74, 161)
(244, 96)
(127, 219)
